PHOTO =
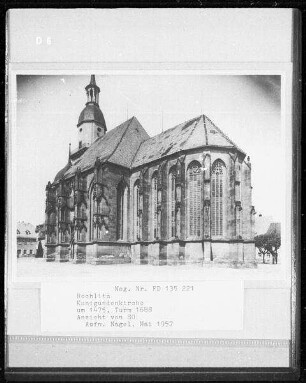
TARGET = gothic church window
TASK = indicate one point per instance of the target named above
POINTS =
(122, 211)
(238, 221)
(217, 197)
(82, 211)
(82, 234)
(97, 221)
(194, 192)
(53, 238)
(171, 205)
(64, 215)
(154, 205)
(52, 219)
(65, 236)
(82, 184)
(136, 211)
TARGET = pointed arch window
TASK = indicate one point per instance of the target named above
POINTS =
(122, 211)
(81, 210)
(82, 184)
(52, 218)
(95, 218)
(171, 204)
(64, 214)
(65, 236)
(137, 212)
(51, 227)
(154, 211)
(217, 198)
(81, 234)
(99, 212)
(238, 221)
(194, 192)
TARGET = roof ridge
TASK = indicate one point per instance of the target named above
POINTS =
(159, 134)
(123, 134)
(137, 152)
(223, 134)
(197, 120)
(205, 128)
(108, 133)
(176, 126)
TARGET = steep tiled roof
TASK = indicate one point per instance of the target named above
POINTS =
(130, 146)
(25, 230)
(192, 134)
(118, 146)
(62, 172)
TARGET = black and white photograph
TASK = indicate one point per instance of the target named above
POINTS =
(151, 190)
(148, 170)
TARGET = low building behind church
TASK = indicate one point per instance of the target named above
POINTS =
(183, 196)
(26, 240)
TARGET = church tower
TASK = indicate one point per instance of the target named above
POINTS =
(91, 124)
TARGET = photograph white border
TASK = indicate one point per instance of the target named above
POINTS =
(286, 281)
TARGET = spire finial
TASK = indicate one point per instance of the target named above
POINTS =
(92, 80)
(92, 90)
(69, 153)
(162, 120)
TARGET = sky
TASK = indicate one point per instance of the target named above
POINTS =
(245, 108)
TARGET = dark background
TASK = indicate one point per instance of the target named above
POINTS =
(116, 374)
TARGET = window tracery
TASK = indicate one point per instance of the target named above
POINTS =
(154, 205)
(137, 212)
(122, 211)
(194, 192)
(171, 204)
(217, 197)
(100, 212)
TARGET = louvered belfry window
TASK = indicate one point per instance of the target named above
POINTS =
(154, 206)
(194, 199)
(171, 190)
(217, 197)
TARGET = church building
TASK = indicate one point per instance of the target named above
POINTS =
(183, 196)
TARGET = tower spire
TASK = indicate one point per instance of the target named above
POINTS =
(69, 154)
(162, 120)
(93, 80)
(91, 124)
(92, 91)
